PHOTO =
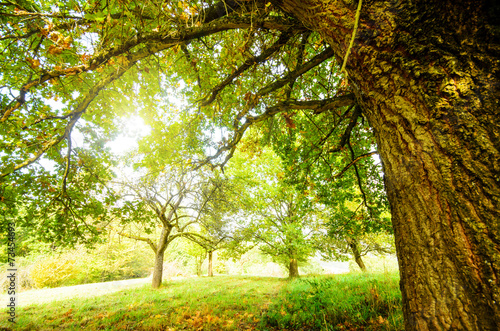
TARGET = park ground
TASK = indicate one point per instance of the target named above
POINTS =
(338, 302)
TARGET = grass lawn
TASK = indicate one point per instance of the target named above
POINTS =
(341, 302)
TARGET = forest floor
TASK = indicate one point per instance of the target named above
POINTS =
(337, 302)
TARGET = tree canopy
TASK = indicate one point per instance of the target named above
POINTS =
(199, 73)
(84, 64)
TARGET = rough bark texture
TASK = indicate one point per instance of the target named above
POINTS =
(293, 269)
(426, 74)
(357, 254)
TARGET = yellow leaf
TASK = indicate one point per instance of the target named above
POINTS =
(34, 63)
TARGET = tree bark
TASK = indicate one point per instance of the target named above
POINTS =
(159, 254)
(199, 263)
(293, 269)
(210, 266)
(426, 74)
(158, 270)
(357, 254)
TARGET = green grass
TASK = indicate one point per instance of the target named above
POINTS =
(342, 302)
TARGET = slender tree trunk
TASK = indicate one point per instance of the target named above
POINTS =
(159, 254)
(357, 254)
(199, 263)
(210, 267)
(426, 74)
(158, 270)
(293, 269)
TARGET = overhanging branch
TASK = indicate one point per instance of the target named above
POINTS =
(75, 116)
(131, 236)
(315, 105)
(154, 42)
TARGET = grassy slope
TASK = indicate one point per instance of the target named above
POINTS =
(347, 302)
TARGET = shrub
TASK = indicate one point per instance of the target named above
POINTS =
(113, 261)
(53, 271)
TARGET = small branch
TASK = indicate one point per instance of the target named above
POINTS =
(353, 36)
(48, 118)
(191, 236)
(359, 181)
(68, 164)
(348, 130)
(353, 163)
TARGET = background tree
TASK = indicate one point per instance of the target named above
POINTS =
(223, 202)
(168, 200)
(347, 180)
(423, 73)
(335, 247)
(279, 219)
(285, 228)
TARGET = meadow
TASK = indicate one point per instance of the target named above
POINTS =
(352, 301)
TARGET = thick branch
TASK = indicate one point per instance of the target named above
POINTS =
(131, 236)
(318, 106)
(273, 110)
(154, 42)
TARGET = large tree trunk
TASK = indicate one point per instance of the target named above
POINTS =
(357, 254)
(426, 74)
(293, 269)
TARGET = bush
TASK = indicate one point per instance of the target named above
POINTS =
(113, 261)
(53, 271)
